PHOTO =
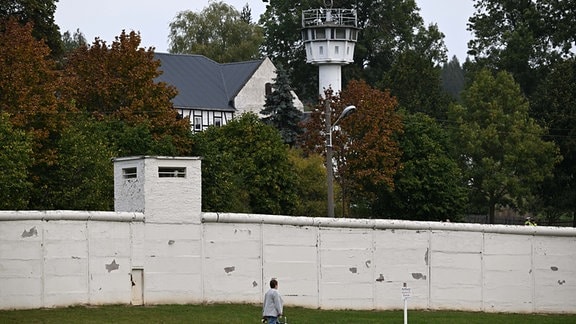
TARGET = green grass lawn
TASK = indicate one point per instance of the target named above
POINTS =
(230, 313)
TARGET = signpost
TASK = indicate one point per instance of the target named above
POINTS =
(406, 293)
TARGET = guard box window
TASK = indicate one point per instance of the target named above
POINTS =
(129, 173)
(171, 172)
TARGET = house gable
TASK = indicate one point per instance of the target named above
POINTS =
(210, 93)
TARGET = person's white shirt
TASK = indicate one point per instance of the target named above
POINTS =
(273, 305)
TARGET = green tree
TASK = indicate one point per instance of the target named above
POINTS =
(15, 162)
(553, 105)
(429, 185)
(522, 37)
(416, 82)
(40, 13)
(218, 32)
(453, 78)
(310, 183)
(83, 178)
(245, 168)
(71, 41)
(279, 108)
(503, 155)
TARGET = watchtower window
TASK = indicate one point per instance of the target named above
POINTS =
(340, 33)
(320, 33)
(129, 173)
(171, 172)
(353, 35)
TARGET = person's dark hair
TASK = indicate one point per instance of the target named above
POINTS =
(273, 283)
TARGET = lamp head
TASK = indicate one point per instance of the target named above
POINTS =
(347, 111)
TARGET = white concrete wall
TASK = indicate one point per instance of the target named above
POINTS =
(363, 264)
(61, 258)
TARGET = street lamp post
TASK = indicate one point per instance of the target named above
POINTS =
(329, 166)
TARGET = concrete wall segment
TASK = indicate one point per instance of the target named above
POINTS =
(59, 258)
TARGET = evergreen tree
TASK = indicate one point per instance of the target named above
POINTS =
(279, 108)
(453, 77)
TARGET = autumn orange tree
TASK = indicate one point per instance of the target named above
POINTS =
(366, 152)
(29, 95)
(116, 84)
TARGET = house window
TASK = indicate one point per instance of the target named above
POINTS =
(171, 172)
(129, 173)
(217, 121)
(197, 123)
(336, 49)
(321, 50)
(268, 88)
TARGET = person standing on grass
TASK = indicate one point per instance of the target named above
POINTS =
(272, 307)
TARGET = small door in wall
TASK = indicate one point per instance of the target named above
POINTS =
(137, 278)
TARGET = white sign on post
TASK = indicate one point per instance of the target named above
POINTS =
(406, 293)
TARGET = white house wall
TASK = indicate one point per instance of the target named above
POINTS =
(252, 97)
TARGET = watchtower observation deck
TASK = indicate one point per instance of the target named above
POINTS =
(329, 35)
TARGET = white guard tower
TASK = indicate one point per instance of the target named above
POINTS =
(329, 36)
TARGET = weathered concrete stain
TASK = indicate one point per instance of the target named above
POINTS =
(170, 242)
(353, 270)
(228, 270)
(368, 263)
(561, 282)
(112, 266)
(29, 233)
(553, 268)
(254, 283)
(380, 278)
(418, 276)
(426, 256)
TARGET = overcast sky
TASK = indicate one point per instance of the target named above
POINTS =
(107, 18)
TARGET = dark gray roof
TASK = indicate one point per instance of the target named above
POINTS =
(203, 83)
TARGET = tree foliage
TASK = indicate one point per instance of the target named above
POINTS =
(219, 32)
(116, 84)
(29, 94)
(279, 108)
(522, 37)
(453, 78)
(38, 13)
(503, 155)
(310, 183)
(366, 153)
(429, 185)
(245, 168)
(553, 105)
(71, 41)
(83, 178)
(15, 161)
